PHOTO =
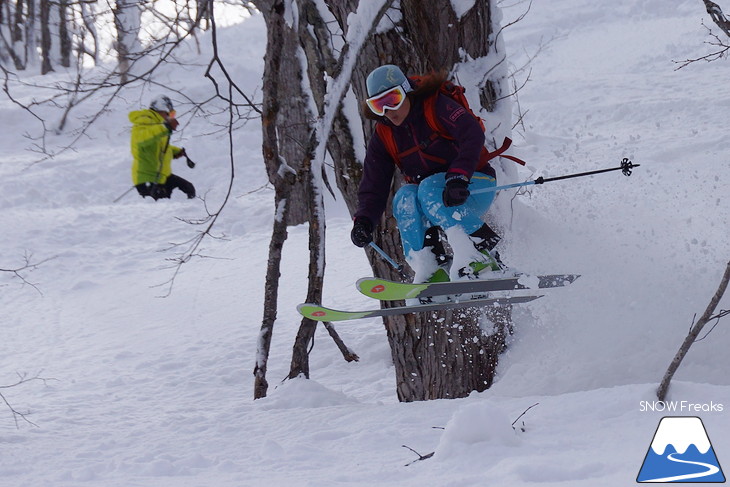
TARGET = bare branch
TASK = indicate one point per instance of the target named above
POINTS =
(722, 48)
(694, 332)
(420, 457)
(28, 266)
(17, 415)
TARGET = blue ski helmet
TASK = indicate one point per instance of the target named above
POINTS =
(386, 77)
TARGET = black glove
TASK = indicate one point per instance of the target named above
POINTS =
(158, 191)
(457, 189)
(362, 232)
(191, 164)
(179, 154)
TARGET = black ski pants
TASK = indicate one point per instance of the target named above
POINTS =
(159, 191)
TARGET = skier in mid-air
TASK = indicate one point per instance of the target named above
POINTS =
(438, 145)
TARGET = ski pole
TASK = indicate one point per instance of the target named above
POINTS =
(388, 259)
(625, 167)
(123, 194)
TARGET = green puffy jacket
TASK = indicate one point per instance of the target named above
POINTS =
(151, 149)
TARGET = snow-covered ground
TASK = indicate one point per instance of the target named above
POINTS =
(144, 390)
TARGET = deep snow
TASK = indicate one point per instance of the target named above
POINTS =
(151, 391)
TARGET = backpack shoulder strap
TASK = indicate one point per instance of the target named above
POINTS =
(429, 111)
(386, 136)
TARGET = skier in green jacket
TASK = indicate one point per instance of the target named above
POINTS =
(152, 152)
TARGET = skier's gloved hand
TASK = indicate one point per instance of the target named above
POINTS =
(362, 232)
(180, 154)
(456, 190)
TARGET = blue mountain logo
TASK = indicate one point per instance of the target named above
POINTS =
(681, 452)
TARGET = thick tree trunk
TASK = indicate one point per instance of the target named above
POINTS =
(294, 119)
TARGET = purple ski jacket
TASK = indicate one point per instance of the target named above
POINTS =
(461, 154)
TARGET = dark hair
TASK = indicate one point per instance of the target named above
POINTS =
(423, 87)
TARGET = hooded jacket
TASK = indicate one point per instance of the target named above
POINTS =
(461, 155)
(151, 148)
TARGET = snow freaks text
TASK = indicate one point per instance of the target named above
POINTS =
(680, 407)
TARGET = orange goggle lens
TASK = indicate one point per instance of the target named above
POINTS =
(171, 114)
(388, 100)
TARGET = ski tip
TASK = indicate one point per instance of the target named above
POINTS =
(366, 283)
(312, 311)
(317, 312)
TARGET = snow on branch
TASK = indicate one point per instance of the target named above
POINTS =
(717, 16)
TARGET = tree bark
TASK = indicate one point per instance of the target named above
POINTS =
(45, 13)
(282, 180)
(64, 35)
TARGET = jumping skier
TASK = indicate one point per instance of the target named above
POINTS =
(438, 145)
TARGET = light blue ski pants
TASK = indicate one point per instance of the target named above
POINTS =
(418, 207)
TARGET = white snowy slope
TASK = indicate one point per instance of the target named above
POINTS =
(150, 391)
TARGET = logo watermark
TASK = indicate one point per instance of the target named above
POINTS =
(682, 407)
(680, 451)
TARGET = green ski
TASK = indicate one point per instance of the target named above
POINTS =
(320, 313)
(386, 290)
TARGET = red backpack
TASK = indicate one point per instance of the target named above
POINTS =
(456, 93)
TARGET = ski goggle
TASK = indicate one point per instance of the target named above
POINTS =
(171, 114)
(387, 100)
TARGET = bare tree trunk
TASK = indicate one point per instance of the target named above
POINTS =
(64, 35)
(17, 26)
(694, 332)
(127, 18)
(14, 20)
(45, 13)
(271, 296)
(305, 335)
(274, 15)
